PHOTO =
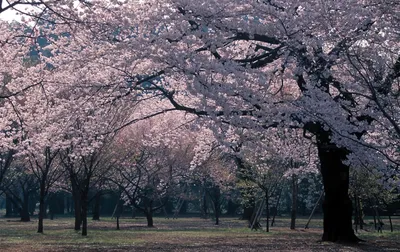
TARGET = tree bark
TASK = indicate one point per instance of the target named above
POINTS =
(84, 213)
(217, 203)
(149, 218)
(276, 208)
(337, 205)
(96, 207)
(78, 213)
(267, 209)
(9, 206)
(42, 207)
(294, 203)
(25, 208)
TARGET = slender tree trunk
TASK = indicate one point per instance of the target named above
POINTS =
(84, 213)
(391, 224)
(276, 208)
(356, 218)
(267, 209)
(119, 210)
(360, 213)
(25, 208)
(294, 202)
(96, 207)
(217, 204)
(337, 205)
(42, 207)
(313, 211)
(203, 203)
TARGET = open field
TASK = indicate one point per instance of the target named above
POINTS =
(183, 234)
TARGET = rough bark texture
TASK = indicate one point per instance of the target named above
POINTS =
(337, 205)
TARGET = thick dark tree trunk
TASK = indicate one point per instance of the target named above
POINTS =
(149, 218)
(78, 213)
(337, 205)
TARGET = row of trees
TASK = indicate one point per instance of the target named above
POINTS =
(276, 84)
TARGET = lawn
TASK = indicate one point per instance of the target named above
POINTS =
(183, 234)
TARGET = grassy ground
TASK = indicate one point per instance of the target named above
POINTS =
(183, 234)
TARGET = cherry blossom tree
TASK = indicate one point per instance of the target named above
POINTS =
(278, 64)
(327, 68)
(152, 159)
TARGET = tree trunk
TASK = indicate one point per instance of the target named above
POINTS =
(248, 211)
(149, 218)
(84, 214)
(294, 202)
(391, 224)
(119, 210)
(78, 213)
(9, 206)
(360, 213)
(203, 203)
(217, 203)
(267, 209)
(96, 207)
(25, 208)
(276, 208)
(337, 205)
(42, 207)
